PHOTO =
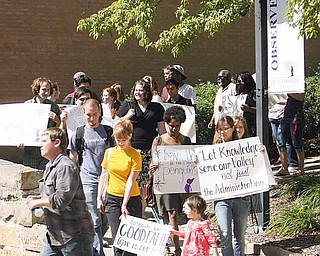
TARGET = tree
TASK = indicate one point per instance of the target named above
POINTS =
(133, 19)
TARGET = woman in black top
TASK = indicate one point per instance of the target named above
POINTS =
(147, 120)
(245, 84)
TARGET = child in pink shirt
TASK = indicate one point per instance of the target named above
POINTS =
(198, 238)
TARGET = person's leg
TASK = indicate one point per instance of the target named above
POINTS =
(223, 213)
(173, 221)
(296, 131)
(47, 250)
(78, 247)
(113, 211)
(283, 137)
(91, 192)
(143, 178)
(240, 213)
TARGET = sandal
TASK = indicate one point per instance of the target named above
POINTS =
(281, 172)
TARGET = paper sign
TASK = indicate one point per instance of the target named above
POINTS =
(75, 117)
(23, 123)
(142, 237)
(233, 169)
(176, 173)
(232, 105)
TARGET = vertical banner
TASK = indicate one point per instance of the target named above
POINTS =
(233, 169)
(142, 237)
(285, 52)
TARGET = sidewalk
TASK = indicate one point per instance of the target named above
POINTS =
(312, 165)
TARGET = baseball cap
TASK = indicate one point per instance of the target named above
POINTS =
(178, 68)
(78, 74)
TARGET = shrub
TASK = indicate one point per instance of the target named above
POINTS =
(205, 93)
(301, 216)
(312, 106)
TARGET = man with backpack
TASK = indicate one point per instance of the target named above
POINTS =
(87, 147)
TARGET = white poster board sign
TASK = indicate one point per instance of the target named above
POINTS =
(23, 123)
(285, 52)
(188, 128)
(75, 117)
(142, 237)
(177, 173)
(232, 105)
(233, 169)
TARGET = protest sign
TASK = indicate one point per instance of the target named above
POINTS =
(233, 169)
(23, 123)
(232, 105)
(176, 173)
(141, 237)
(75, 117)
(188, 128)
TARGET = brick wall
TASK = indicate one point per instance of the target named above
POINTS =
(39, 38)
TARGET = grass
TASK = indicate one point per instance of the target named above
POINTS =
(301, 215)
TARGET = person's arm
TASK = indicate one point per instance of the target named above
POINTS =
(153, 166)
(73, 155)
(208, 234)
(131, 179)
(247, 108)
(63, 118)
(161, 128)
(177, 233)
(102, 186)
(37, 201)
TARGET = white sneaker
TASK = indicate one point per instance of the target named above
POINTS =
(292, 169)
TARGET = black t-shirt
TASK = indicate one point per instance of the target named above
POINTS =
(144, 123)
(293, 108)
(181, 100)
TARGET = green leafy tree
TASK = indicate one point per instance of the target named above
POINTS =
(133, 19)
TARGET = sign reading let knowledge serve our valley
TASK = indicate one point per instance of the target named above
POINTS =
(233, 169)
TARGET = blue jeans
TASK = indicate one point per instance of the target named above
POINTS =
(236, 211)
(276, 132)
(91, 193)
(75, 247)
(292, 127)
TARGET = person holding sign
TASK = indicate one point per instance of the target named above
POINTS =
(233, 210)
(169, 205)
(245, 84)
(41, 88)
(198, 238)
(121, 166)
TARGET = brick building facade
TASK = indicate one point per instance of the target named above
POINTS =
(39, 38)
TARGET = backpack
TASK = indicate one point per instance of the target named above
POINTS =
(80, 141)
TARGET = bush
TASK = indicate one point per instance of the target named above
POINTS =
(205, 93)
(312, 106)
(301, 216)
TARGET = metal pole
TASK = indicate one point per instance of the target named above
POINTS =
(261, 47)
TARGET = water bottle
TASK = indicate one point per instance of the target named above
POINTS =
(38, 212)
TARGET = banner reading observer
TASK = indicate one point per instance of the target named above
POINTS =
(285, 52)
(233, 169)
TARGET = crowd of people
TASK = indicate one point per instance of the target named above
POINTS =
(114, 153)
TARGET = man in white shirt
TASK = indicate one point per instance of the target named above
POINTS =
(226, 89)
(185, 90)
